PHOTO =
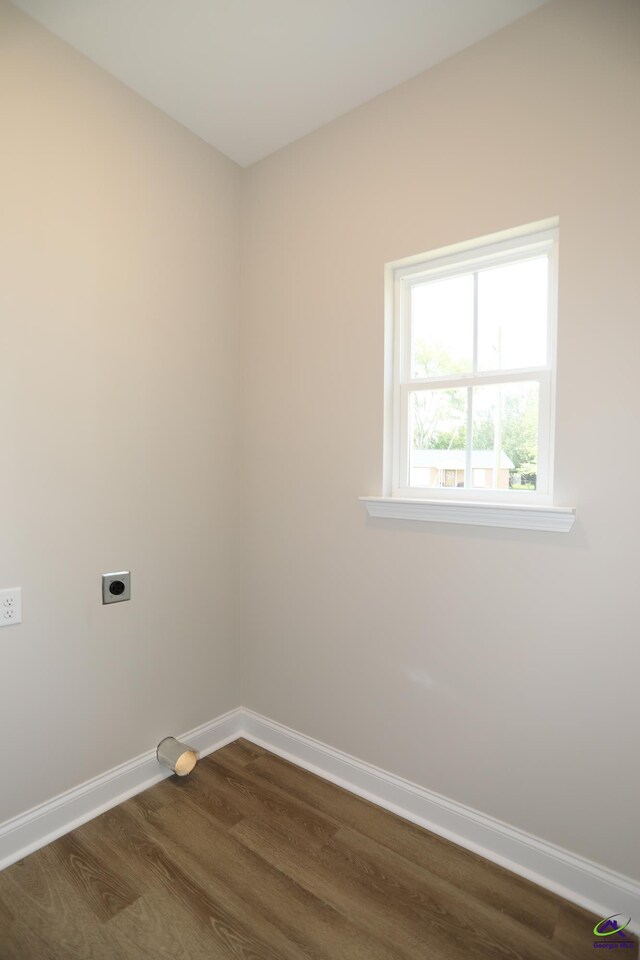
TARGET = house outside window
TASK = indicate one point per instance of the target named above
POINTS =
(470, 350)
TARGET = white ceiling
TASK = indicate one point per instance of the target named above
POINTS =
(250, 76)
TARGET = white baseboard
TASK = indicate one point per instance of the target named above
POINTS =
(587, 884)
(594, 887)
(42, 824)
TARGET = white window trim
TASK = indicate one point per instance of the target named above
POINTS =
(507, 508)
(474, 512)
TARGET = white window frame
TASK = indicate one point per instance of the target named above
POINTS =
(498, 249)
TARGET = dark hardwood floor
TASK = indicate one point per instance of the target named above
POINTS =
(253, 858)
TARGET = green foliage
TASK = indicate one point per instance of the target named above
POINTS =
(434, 361)
(520, 429)
(432, 409)
(451, 440)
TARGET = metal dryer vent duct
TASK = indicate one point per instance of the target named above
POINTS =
(179, 757)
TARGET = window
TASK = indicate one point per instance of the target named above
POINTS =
(471, 361)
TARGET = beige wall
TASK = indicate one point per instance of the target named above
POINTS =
(498, 667)
(118, 398)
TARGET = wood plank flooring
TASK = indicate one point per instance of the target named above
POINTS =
(253, 858)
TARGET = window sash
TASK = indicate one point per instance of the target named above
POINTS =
(403, 312)
(541, 377)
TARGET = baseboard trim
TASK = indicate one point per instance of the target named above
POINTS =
(34, 829)
(581, 881)
(587, 884)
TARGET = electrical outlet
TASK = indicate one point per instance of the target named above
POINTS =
(10, 606)
(116, 587)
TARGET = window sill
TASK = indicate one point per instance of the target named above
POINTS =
(517, 516)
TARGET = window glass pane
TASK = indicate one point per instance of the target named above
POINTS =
(479, 477)
(442, 327)
(505, 436)
(438, 434)
(512, 315)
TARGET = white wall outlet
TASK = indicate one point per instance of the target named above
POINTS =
(10, 606)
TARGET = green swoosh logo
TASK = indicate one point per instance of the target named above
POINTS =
(610, 932)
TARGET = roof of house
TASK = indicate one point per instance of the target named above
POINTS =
(455, 459)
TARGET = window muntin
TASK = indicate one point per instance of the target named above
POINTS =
(473, 371)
